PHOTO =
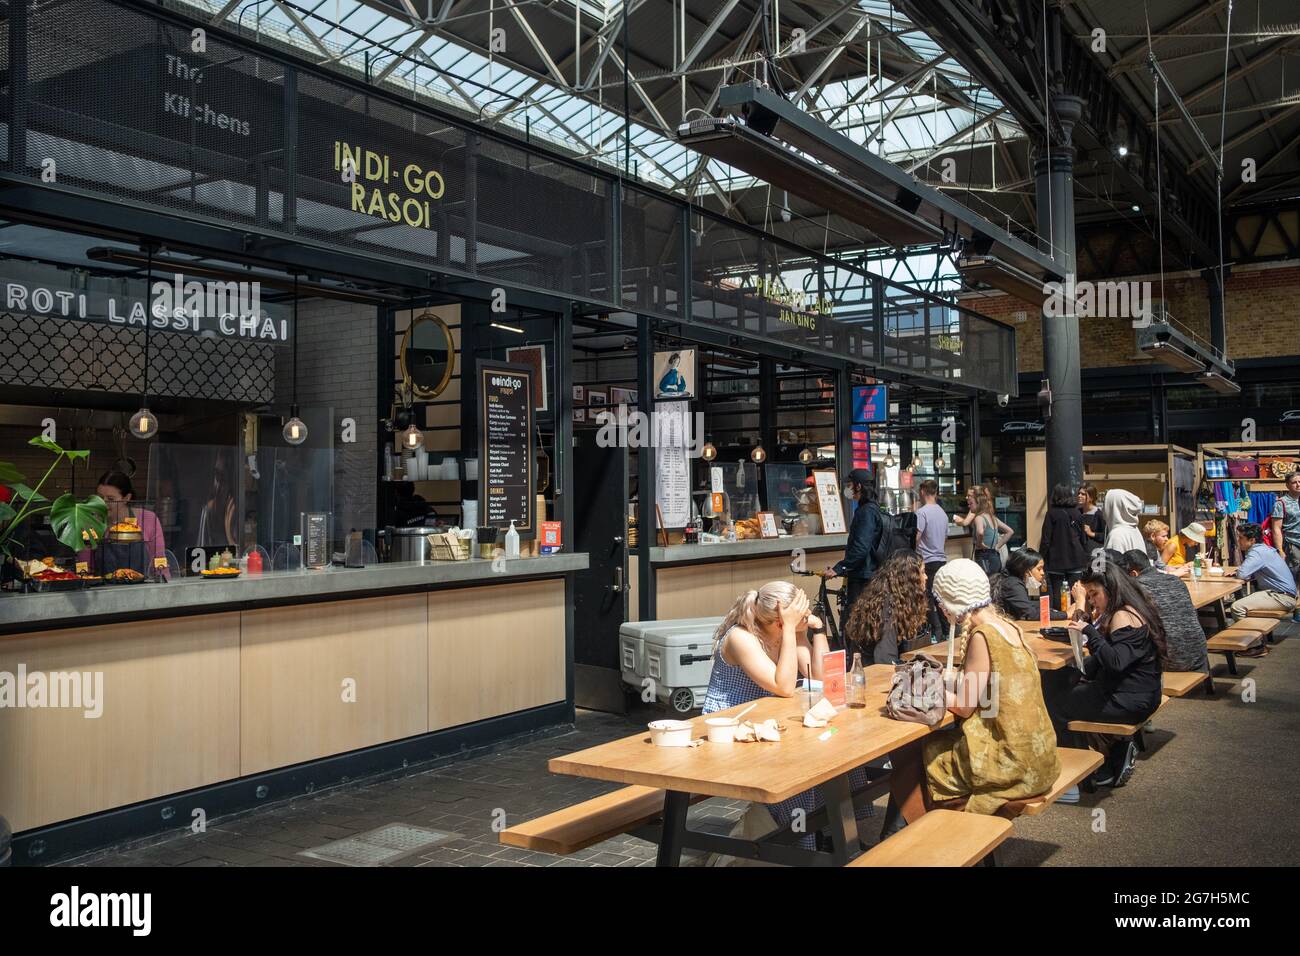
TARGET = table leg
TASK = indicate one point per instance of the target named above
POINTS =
(838, 796)
(1221, 612)
(673, 831)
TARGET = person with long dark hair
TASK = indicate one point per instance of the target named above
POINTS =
(859, 563)
(1011, 589)
(892, 611)
(1063, 542)
(1120, 681)
(118, 493)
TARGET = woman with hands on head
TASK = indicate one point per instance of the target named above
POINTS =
(768, 640)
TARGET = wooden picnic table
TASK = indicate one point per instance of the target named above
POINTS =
(1051, 655)
(1213, 589)
(764, 772)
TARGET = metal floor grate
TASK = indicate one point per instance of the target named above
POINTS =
(379, 846)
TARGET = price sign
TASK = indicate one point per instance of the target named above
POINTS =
(505, 446)
(833, 677)
(316, 534)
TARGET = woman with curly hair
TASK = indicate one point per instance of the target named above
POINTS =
(892, 609)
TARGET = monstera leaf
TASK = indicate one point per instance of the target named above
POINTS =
(9, 474)
(24, 493)
(7, 513)
(72, 518)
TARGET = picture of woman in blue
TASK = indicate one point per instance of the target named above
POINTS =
(673, 382)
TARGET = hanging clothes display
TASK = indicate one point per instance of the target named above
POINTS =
(1261, 506)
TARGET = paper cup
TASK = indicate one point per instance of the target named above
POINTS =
(722, 730)
(670, 733)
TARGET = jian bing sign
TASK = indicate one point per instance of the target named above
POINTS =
(211, 309)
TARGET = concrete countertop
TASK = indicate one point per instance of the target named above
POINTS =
(197, 596)
(754, 548)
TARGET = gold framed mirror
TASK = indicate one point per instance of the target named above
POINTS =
(428, 355)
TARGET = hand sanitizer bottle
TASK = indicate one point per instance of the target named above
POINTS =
(512, 542)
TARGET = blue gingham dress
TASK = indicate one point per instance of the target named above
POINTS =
(729, 686)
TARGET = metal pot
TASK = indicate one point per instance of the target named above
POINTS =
(408, 544)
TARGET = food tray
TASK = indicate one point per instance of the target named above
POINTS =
(47, 587)
(209, 576)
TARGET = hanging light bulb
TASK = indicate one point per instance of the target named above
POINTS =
(144, 423)
(412, 438)
(916, 463)
(806, 456)
(758, 456)
(708, 452)
(939, 463)
(295, 429)
(889, 461)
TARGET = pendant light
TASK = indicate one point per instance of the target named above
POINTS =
(709, 451)
(917, 464)
(889, 460)
(295, 430)
(412, 438)
(758, 456)
(807, 455)
(144, 423)
(939, 463)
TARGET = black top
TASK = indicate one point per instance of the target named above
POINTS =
(1126, 663)
(1061, 542)
(1013, 597)
(1098, 525)
(864, 531)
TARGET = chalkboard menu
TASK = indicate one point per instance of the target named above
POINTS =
(315, 539)
(505, 446)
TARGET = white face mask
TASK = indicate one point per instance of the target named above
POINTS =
(849, 494)
(1031, 584)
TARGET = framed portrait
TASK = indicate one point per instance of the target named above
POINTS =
(534, 356)
(579, 394)
(579, 414)
(674, 374)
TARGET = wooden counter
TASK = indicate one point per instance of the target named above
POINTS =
(190, 702)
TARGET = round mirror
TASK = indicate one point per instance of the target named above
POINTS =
(428, 355)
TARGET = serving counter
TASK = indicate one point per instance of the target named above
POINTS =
(702, 580)
(219, 686)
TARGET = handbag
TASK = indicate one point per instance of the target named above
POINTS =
(989, 560)
(917, 692)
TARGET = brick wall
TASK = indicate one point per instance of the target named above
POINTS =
(1262, 310)
(337, 344)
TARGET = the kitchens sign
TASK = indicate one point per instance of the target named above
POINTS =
(212, 309)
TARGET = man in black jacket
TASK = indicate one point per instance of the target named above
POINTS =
(859, 563)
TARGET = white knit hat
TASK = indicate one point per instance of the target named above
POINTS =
(962, 586)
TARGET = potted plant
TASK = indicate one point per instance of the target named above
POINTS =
(76, 522)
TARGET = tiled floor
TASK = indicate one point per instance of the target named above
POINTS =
(1216, 787)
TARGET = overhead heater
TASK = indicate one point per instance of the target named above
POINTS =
(1167, 343)
(781, 144)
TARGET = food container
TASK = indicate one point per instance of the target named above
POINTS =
(722, 730)
(670, 733)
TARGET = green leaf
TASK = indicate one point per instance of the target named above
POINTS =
(9, 474)
(77, 454)
(40, 441)
(7, 513)
(27, 494)
(70, 518)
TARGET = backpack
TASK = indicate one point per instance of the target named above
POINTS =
(897, 533)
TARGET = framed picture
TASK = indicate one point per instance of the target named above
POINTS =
(534, 356)
(579, 394)
(597, 399)
(767, 524)
(622, 396)
(579, 414)
(674, 374)
(829, 502)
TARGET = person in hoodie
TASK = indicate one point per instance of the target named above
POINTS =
(1121, 510)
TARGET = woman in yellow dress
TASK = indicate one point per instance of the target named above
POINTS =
(1004, 747)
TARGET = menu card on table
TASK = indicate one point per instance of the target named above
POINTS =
(1044, 611)
(505, 446)
(833, 677)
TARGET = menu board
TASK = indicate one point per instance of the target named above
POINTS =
(505, 445)
(828, 500)
(315, 539)
(672, 464)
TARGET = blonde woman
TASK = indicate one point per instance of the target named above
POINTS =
(767, 640)
(987, 530)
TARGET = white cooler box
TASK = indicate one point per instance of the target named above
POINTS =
(676, 655)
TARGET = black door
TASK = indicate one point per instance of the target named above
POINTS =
(600, 477)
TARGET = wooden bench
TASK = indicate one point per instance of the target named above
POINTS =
(940, 838)
(588, 823)
(1182, 683)
(1119, 730)
(1275, 613)
(1265, 626)
(1232, 641)
(1076, 764)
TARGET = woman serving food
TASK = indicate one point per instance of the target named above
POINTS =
(128, 522)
